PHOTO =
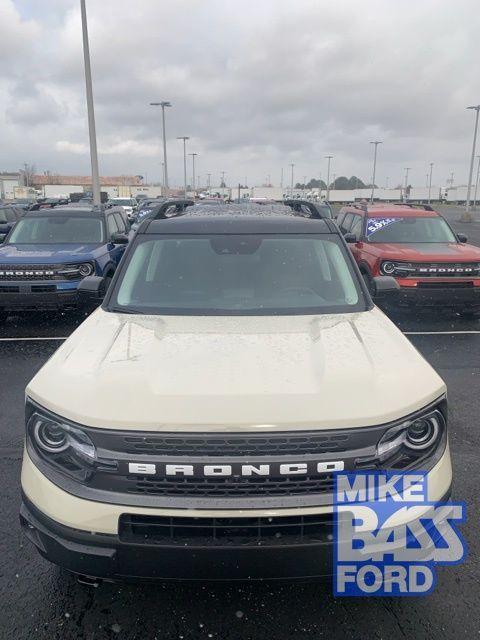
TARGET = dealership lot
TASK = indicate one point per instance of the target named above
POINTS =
(39, 600)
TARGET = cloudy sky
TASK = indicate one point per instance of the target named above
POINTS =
(256, 84)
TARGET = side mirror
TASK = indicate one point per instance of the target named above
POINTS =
(462, 237)
(120, 238)
(385, 286)
(91, 290)
(350, 238)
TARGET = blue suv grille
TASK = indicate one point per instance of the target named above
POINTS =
(28, 272)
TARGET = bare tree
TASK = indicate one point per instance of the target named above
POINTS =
(28, 172)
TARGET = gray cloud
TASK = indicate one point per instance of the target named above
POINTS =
(255, 84)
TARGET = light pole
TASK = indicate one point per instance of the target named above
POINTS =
(223, 185)
(430, 182)
(407, 169)
(163, 105)
(90, 108)
(375, 143)
(291, 181)
(193, 171)
(281, 180)
(184, 138)
(467, 216)
(476, 183)
(386, 182)
(329, 158)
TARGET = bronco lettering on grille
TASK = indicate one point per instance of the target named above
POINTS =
(236, 469)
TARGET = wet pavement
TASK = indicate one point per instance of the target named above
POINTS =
(40, 601)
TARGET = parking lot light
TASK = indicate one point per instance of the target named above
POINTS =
(407, 169)
(467, 216)
(184, 138)
(163, 104)
(376, 143)
(329, 158)
(194, 155)
(430, 182)
(291, 181)
(476, 183)
(90, 108)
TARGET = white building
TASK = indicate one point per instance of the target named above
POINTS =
(8, 183)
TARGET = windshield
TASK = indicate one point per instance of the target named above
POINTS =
(58, 229)
(237, 274)
(409, 229)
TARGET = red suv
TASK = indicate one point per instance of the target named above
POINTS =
(431, 263)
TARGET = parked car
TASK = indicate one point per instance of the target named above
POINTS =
(433, 265)
(9, 216)
(48, 253)
(48, 203)
(148, 208)
(129, 205)
(191, 426)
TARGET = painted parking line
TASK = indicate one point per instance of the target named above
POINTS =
(40, 339)
(439, 333)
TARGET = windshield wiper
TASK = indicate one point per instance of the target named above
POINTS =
(125, 310)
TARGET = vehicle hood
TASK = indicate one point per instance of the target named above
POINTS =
(235, 373)
(53, 253)
(428, 252)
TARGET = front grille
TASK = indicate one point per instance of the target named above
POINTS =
(438, 270)
(250, 531)
(17, 272)
(224, 445)
(350, 447)
(32, 272)
(231, 486)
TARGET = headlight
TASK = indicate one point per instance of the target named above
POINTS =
(417, 434)
(72, 271)
(388, 268)
(85, 269)
(59, 444)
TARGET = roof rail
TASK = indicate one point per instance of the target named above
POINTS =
(297, 206)
(180, 206)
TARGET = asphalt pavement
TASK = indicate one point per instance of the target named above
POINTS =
(39, 601)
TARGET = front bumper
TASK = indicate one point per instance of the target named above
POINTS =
(438, 294)
(109, 557)
(50, 294)
(91, 538)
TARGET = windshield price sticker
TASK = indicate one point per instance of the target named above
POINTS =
(375, 224)
(388, 538)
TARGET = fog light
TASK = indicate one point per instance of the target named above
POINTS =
(50, 437)
(422, 433)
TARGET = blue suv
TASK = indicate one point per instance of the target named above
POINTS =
(48, 253)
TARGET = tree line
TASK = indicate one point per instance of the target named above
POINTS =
(341, 183)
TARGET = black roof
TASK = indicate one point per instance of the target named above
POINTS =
(242, 218)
